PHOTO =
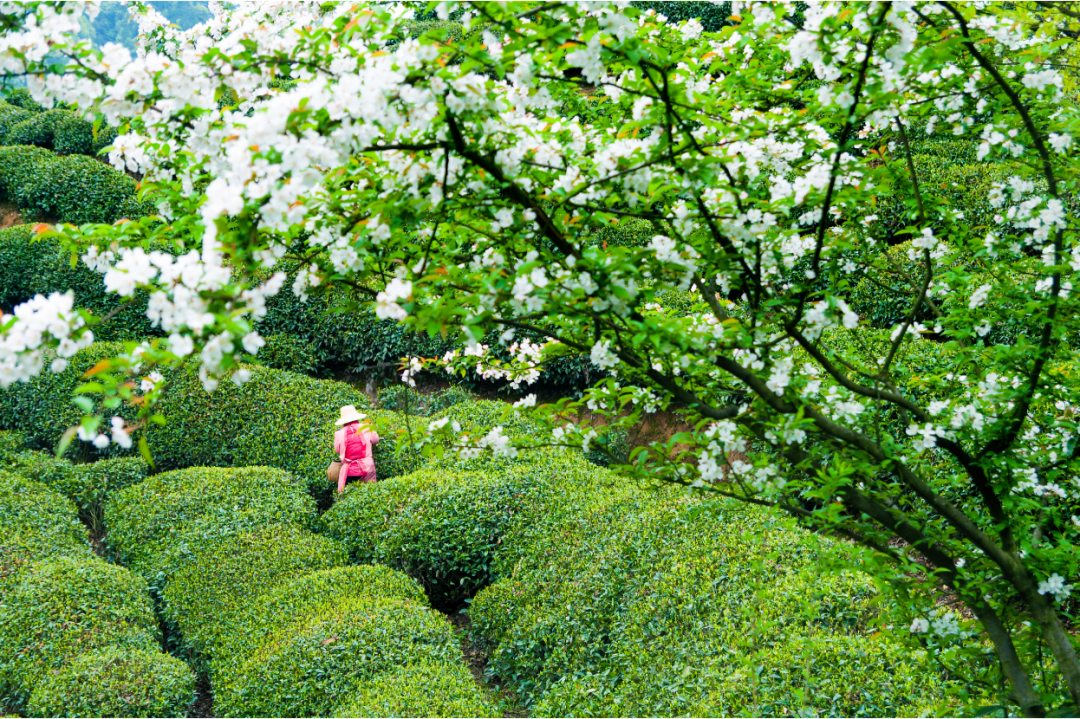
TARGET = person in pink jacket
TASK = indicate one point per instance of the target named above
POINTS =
(353, 444)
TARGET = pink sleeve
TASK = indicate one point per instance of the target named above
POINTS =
(373, 436)
(339, 444)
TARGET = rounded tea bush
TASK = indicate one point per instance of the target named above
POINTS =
(38, 129)
(20, 551)
(827, 675)
(20, 97)
(421, 690)
(226, 576)
(310, 669)
(448, 524)
(66, 607)
(649, 602)
(88, 485)
(291, 603)
(11, 443)
(29, 506)
(441, 528)
(38, 523)
(157, 525)
(116, 682)
(10, 116)
(77, 189)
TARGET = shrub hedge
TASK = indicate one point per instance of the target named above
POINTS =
(290, 602)
(75, 136)
(226, 576)
(26, 505)
(656, 603)
(322, 336)
(20, 97)
(88, 485)
(446, 524)
(71, 188)
(10, 116)
(267, 607)
(278, 419)
(38, 523)
(288, 353)
(420, 690)
(116, 682)
(65, 607)
(313, 667)
(77, 636)
(38, 129)
(29, 266)
(829, 674)
(11, 442)
(158, 526)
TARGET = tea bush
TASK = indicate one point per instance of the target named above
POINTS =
(630, 232)
(66, 607)
(39, 128)
(406, 400)
(227, 575)
(479, 416)
(10, 116)
(438, 527)
(70, 188)
(88, 485)
(41, 410)
(11, 442)
(31, 266)
(26, 505)
(446, 524)
(20, 97)
(76, 189)
(283, 627)
(158, 526)
(116, 682)
(38, 523)
(672, 599)
(312, 668)
(428, 689)
(946, 181)
(279, 419)
(827, 674)
(288, 353)
(289, 603)
(75, 136)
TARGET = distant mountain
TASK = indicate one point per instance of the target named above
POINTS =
(113, 24)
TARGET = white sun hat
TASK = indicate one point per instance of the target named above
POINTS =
(349, 414)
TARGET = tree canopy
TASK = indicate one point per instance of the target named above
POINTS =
(453, 178)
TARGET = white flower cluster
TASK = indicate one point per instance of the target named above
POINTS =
(722, 438)
(824, 315)
(412, 368)
(942, 623)
(37, 322)
(764, 480)
(386, 302)
(121, 435)
(602, 356)
(1055, 586)
(495, 441)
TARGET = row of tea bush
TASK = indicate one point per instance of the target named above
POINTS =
(78, 636)
(595, 597)
(271, 610)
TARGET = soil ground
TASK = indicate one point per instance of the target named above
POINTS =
(9, 215)
(476, 659)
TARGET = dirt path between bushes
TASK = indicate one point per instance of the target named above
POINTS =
(203, 708)
(476, 660)
(10, 215)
